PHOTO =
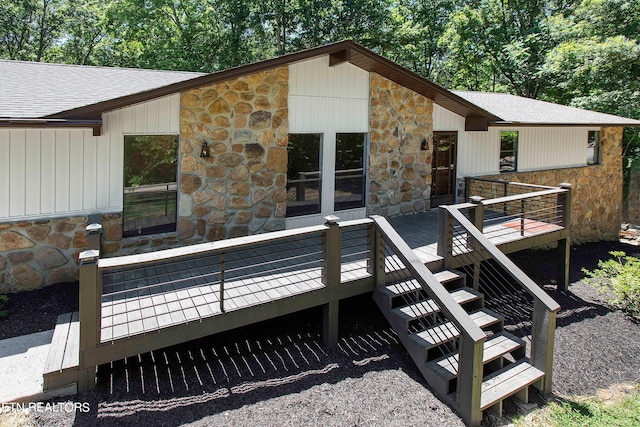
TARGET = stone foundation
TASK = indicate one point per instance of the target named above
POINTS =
(39, 253)
(399, 170)
(596, 208)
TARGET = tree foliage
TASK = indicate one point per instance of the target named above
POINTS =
(584, 53)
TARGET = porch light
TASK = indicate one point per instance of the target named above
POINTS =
(423, 145)
(204, 151)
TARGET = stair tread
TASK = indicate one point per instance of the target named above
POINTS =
(495, 347)
(447, 331)
(427, 307)
(412, 285)
(508, 381)
(64, 352)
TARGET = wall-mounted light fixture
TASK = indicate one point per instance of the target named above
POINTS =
(204, 151)
(423, 145)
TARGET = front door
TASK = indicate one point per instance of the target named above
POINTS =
(443, 172)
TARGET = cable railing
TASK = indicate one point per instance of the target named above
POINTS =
(493, 188)
(529, 312)
(448, 319)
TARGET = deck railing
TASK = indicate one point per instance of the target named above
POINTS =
(528, 310)
(398, 259)
(493, 188)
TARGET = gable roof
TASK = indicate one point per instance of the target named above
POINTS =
(519, 111)
(70, 94)
(40, 94)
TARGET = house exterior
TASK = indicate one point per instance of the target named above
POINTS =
(169, 158)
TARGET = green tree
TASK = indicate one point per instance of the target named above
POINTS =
(28, 28)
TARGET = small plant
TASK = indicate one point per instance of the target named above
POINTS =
(619, 276)
(3, 301)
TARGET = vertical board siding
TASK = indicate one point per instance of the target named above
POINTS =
(5, 172)
(327, 100)
(45, 172)
(76, 169)
(33, 162)
(18, 171)
(62, 171)
(89, 176)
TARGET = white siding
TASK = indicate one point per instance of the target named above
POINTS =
(60, 172)
(327, 100)
(539, 148)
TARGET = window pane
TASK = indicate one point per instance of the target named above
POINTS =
(508, 151)
(303, 174)
(593, 147)
(349, 174)
(150, 190)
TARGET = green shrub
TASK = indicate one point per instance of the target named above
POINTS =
(619, 276)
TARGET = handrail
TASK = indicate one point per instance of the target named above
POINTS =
(472, 337)
(497, 181)
(183, 251)
(429, 282)
(523, 196)
(529, 285)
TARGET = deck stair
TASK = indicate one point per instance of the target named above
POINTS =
(431, 340)
(61, 367)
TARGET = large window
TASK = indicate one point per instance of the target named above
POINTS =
(593, 147)
(508, 151)
(303, 174)
(349, 171)
(150, 190)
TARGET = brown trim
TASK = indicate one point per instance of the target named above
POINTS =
(533, 125)
(95, 124)
(474, 123)
(339, 57)
(351, 51)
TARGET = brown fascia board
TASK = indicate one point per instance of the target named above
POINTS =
(340, 52)
(635, 123)
(94, 124)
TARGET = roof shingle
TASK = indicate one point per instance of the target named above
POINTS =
(38, 89)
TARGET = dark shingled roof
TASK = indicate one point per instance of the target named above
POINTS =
(517, 110)
(38, 89)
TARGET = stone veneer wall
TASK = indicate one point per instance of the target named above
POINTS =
(399, 171)
(38, 253)
(596, 208)
(241, 188)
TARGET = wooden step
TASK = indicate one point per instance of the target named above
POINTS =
(444, 332)
(428, 307)
(386, 294)
(61, 367)
(497, 346)
(508, 381)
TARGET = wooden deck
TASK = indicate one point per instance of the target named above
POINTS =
(150, 297)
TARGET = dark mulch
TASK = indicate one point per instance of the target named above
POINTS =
(36, 311)
(277, 372)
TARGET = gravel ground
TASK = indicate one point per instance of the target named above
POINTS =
(277, 372)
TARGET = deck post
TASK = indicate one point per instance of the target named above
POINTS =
(478, 221)
(564, 245)
(94, 231)
(375, 267)
(331, 279)
(542, 339)
(90, 310)
(445, 236)
(470, 379)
